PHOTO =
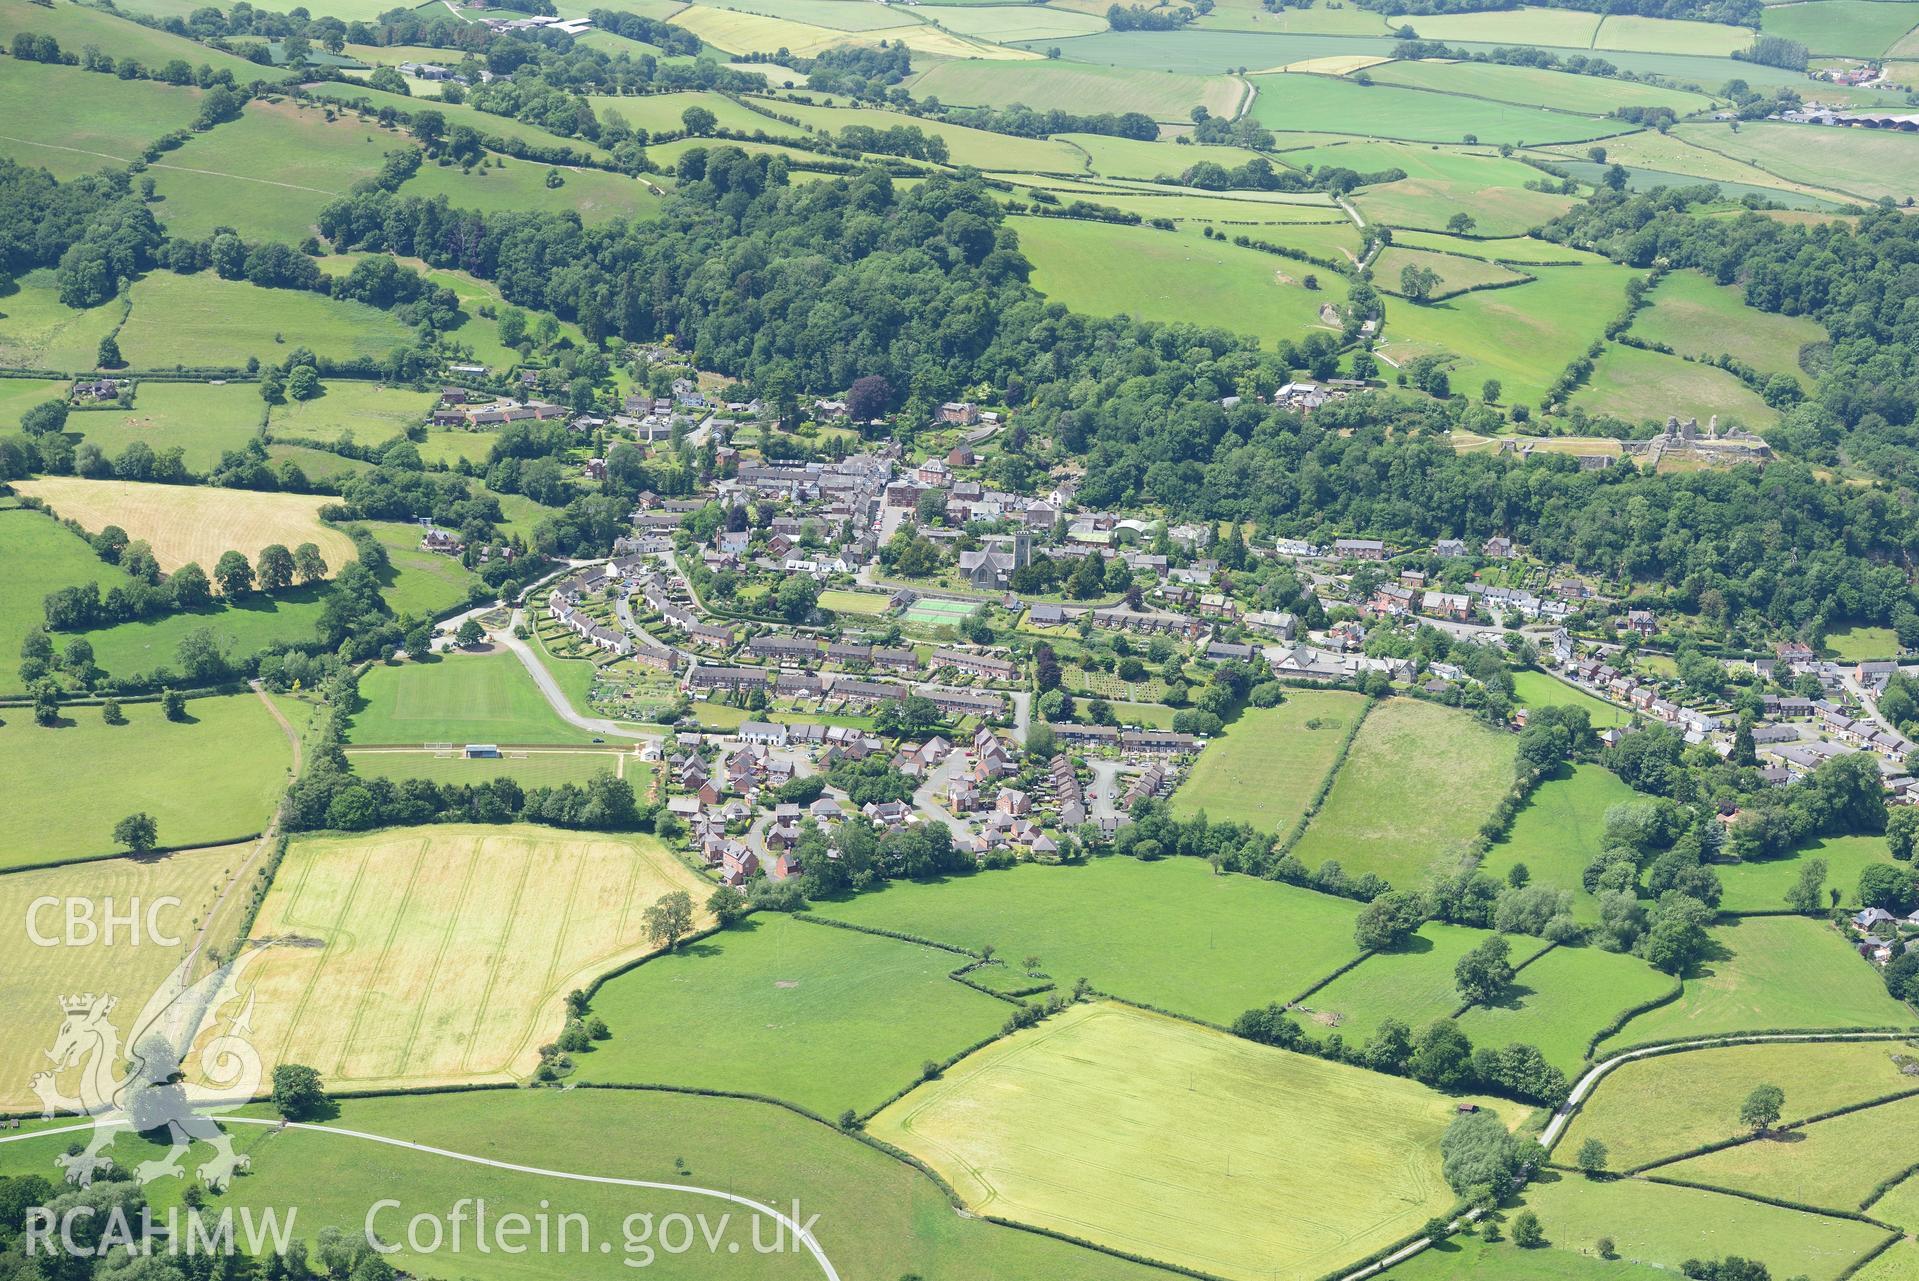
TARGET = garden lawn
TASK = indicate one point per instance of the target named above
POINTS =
(1268, 764)
(1416, 787)
(1648, 386)
(1172, 1141)
(269, 173)
(862, 604)
(1561, 828)
(1834, 1164)
(1696, 317)
(876, 1215)
(1535, 688)
(827, 1018)
(1782, 972)
(1170, 276)
(1331, 104)
(1168, 933)
(212, 778)
(1858, 643)
(1562, 1000)
(194, 522)
(1412, 983)
(463, 698)
(365, 413)
(242, 629)
(1663, 1226)
(200, 321)
(120, 117)
(1523, 336)
(1646, 1109)
(203, 419)
(1761, 885)
(38, 556)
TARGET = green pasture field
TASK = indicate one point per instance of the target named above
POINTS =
(1663, 1226)
(1761, 886)
(1077, 87)
(826, 1018)
(1412, 983)
(1210, 946)
(1532, 86)
(1561, 28)
(1772, 972)
(1901, 1262)
(18, 395)
(449, 445)
(1209, 52)
(466, 698)
(1560, 829)
(1329, 104)
(1522, 250)
(1456, 274)
(533, 769)
(1267, 765)
(37, 556)
(876, 1215)
(1561, 1000)
(1658, 1107)
(1654, 152)
(365, 413)
(420, 584)
(1864, 163)
(38, 331)
(743, 33)
(1319, 229)
(1901, 1206)
(1538, 689)
(522, 514)
(1696, 317)
(1381, 815)
(661, 112)
(522, 185)
(209, 779)
(319, 465)
(1134, 158)
(474, 331)
(203, 419)
(121, 117)
(1633, 34)
(242, 629)
(840, 15)
(1009, 22)
(267, 174)
(1523, 336)
(76, 26)
(1171, 276)
(965, 146)
(505, 128)
(1245, 15)
(1647, 386)
(1453, 163)
(1172, 1141)
(1428, 204)
(1846, 28)
(1772, 191)
(667, 155)
(1855, 644)
(1834, 1164)
(203, 320)
(865, 604)
(1469, 1258)
(33, 975)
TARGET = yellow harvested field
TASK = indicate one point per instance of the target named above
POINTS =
(193, 523)
(1466, 442)
(1336, 65)
(442, 954)
(129, 967)
(744, 33)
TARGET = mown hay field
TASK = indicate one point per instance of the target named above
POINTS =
(1696, 317)
(442, 954)
(1265, 768)
(199, 321)
(193, 523)
(1173, 1141)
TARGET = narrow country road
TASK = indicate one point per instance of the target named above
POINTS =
(555, 696)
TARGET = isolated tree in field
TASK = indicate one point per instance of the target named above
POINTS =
(470, 633)
(308, 563)
(1526, 1231)
(1489, 391)
(1762, 1108)
(137, 832)
(108, 356)
(668, 919)
(233, 573)
(1807, 893)
(275, 568)
(1417, 282)
(1484, 972)
(1460, 223)
(174, 704)
(1592, 1158)
(1389, 920)
(297, 1091)
(698, 121)
(110, 712)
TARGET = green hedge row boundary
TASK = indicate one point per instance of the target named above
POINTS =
(1887, 1185)
(262, 882)
(1631, 1012)
(1777, 1202)
(1751, 1035)
(1114, 1252)
(1740, 1140)
(896, 935)
(1326, 784)
(1349, 966)
(156, 852)
(1853, 1269)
